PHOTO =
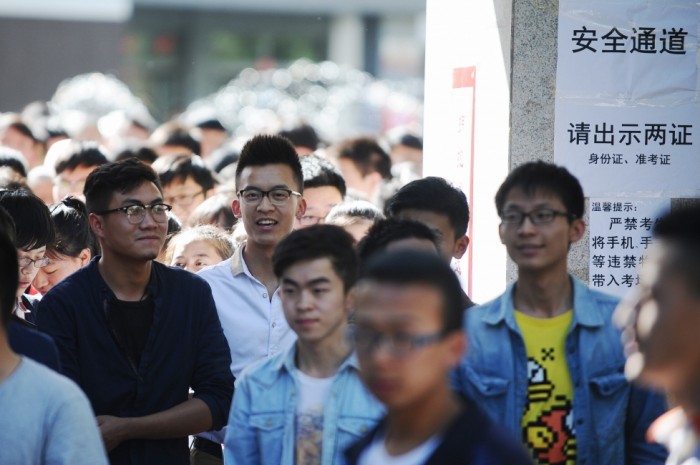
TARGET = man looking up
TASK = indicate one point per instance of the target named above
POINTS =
(408, 338)
(269, 198)
(661, 323)
(136, 335)
(545, 360)
(311, 392)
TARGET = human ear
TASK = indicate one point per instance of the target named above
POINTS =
(96, 224)
(301, 208)
(84, 256)
(577, 228)
(236, 208)
(460, 247)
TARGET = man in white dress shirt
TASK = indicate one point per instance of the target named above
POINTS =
(269, 198)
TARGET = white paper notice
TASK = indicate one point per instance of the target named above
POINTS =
(627, 112)
(620, 236)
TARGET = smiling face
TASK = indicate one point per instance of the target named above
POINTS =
(119, 238)
(314, 300)
(542, 247)
(266, 224)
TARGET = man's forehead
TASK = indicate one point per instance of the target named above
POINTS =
(537, 196)
(397, 297)
(270, 175)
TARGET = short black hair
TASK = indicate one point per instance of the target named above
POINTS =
(318, 241)
(214, 210)
(302, 136)
(7, 225)
(175, 134)
(119, 176)
(33, 225)
(13, 159)
(384, 232)
(80, 154)
(319, 172)
(73, 232)
(406, 267)
(9, 276)
(265, 150)
(179, 167)
(435, 195)
(367, 155)
(145, 154)
(540, 176)
(680, 228)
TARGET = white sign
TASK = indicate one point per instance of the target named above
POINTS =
(627, 112)
(620, 236)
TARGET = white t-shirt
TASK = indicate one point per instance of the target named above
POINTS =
(309, 418)
(376, 453)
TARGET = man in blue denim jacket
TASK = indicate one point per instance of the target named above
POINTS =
(307, 404)
(545, 360)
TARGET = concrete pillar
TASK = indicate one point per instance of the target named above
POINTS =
(533, 85)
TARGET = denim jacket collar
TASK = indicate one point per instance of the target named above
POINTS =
(585, 314)
(285, 362)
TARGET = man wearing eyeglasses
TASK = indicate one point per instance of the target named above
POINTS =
(137, 335)
(545, 360)
(269, 198)
(186, 181)
(324, 188)
(408, 337)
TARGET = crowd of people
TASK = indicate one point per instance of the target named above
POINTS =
(182, 302)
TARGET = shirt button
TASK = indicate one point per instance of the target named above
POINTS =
(274, 324)
(265, 296)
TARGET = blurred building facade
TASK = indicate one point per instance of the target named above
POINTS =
(171, 52)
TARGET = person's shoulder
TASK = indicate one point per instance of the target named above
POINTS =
(604, 302)
(41, 382)
(33, 344)
(176, 278)
(264, 371)
(489, 440)
(73, 285)
(212, 271)
(477, 313)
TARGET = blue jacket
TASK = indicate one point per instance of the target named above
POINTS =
(611, 416)
(185, 348)
(261, 425)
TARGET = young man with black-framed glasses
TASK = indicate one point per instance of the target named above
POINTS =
(136, 335)
(408, 337)
(545, 360)
(269, 198)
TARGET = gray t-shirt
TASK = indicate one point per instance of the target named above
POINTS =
(46, 419)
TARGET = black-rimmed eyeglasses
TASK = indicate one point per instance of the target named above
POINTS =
(278, 196)
(135, 214)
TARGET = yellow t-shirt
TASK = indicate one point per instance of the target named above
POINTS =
(547, 423)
